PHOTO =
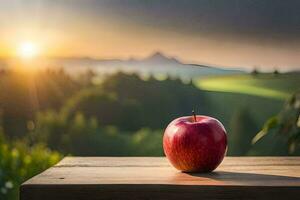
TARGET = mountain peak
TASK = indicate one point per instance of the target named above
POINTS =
(159, 57)
(157, 54)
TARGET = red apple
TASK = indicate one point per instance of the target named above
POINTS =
(195, 143)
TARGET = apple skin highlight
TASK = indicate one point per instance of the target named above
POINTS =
(195, 143)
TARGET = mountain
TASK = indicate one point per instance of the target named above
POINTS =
(155, 64)
(159, 58)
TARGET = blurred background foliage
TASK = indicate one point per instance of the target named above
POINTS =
(47, 114)
(20, 161)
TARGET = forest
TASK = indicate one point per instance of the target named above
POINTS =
(48, 114)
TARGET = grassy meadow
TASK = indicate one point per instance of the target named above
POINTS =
(279, 86)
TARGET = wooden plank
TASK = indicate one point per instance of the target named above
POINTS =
(160, 161)
(154, 178)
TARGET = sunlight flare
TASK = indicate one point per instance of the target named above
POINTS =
(28, 50)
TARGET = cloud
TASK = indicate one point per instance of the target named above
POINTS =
(269, 20)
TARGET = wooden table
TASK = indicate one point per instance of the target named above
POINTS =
(96, 178)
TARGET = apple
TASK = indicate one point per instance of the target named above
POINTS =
(195, 143)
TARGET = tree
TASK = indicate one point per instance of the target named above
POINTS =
(276, 72)
(255, 71)
(242, 129)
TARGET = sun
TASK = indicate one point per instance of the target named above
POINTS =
(28, 50)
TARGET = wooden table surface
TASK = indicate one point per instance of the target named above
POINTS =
(96, 178)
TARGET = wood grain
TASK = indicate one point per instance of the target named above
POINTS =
(153, 178)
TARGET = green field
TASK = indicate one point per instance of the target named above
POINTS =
(264, 85)
(244, 103)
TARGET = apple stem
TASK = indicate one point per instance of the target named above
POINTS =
(195, 118)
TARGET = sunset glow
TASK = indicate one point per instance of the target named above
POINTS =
(228, 35)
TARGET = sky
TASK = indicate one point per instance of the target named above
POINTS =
(232, 33)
